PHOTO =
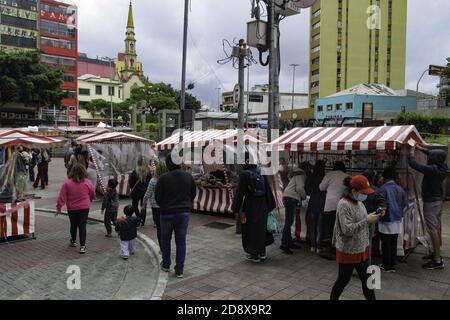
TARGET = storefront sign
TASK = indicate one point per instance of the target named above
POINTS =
(20, 13)
(18, 32)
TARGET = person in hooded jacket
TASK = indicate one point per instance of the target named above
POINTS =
(293, 194)
(435, 172)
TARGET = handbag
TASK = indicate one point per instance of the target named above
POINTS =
(273, 226)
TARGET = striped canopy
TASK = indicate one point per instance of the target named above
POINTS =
(104, 137)
(12, 137)
(346, 139)
(203, 138)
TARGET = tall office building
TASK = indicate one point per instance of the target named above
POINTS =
(19, 24)
(354, 42)
(59, 46)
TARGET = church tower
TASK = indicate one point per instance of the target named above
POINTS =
(131, 66)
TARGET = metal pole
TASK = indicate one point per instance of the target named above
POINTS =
(248, 94)
(417, 88)
(271, 20)
(218, 98)
(293, 88)
(241, 82)
(183, 71)
(110, 94)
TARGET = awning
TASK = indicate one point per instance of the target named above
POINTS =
(203, 138)
(12, 137)
(346, 139)
(112, 137)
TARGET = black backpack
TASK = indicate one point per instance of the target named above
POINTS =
(257, 184)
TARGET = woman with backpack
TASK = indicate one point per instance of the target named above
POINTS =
(138, 182)
(253, 201)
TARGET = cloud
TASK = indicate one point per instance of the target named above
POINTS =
(159, 31)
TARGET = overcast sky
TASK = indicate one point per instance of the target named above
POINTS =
(159, 26)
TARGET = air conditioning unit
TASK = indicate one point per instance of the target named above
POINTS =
(286, 9)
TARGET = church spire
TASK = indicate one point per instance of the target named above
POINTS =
(130, 23)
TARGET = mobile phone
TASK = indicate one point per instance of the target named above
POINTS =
(380, 211)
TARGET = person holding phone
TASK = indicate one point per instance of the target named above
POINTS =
(352, 236)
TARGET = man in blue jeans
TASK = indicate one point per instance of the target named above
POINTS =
(174, 193)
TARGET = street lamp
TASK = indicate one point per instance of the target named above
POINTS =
(417, 88)
(294, 66)
(218, 98)
(110, 90)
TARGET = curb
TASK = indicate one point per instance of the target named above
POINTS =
(152, 250)
(163, 277)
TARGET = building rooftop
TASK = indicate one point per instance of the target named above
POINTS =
(216, 115)
(84, 58)
(367, 90)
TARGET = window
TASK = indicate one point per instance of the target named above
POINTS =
(315, 72)
(319, 108)
(316, 37)
(349, 106)
(68, 77)
(111, 91)
(17, 41)
(120, 91)
(315, 49)
(70, 94)
(256, 98)
(330, 107)
(57, 29)
(82, 105)
(316, 13)
(70, 62)
(316, 25)
(72, 109)
(314, 84)
(57, 9)
(24, 4)
(338, 106)
(84, 92)
(315, 60)
(98, 90)
(18, 22)
(58, 43)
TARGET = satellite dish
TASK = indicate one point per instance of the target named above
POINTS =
(304, 3)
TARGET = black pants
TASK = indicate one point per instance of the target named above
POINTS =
(135, 203)
(78, 221)
(156, 212)
(344, 277)
(389, 248)
(40, 177)
(328, 221)
(107, 221)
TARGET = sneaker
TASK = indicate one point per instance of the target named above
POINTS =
(286, 250)
(124, 257)
(434, 265)
(83, 250)
(73, 244)
(108, 235)
(387, 269)
(164, 268)
(253, 258)
(313, 249)
(179, 275)
(263, 257)
(428, 257)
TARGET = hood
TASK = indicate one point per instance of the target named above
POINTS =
(298, 172)
(439, 159)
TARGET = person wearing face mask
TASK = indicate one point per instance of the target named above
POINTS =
(351, 236)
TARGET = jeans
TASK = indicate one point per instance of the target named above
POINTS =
(344, 277)
(78, 221)
(127, 248)
(178, 223)
(41, 176)
(389, 248)
(156, 213)
(31, 172)
(290, 206)
(107, 220)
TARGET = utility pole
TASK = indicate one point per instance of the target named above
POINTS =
(110, 91)
(274, 101)
(218, 98)
(243, 53)
(293, 87)
(183, 71)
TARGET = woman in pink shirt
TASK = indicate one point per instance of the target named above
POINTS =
(77, 194)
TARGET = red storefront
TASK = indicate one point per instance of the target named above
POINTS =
(59, 45)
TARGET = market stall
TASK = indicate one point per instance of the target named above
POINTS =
(17, 209)
(115, 155)
(216, 182)
(360, 149)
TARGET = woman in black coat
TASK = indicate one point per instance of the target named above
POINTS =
(139, 181)
(253, 201)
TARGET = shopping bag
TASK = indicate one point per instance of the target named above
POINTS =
(273, 226)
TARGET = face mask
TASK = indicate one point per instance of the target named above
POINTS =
(361, 197)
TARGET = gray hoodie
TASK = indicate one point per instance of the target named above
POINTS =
(296, 186)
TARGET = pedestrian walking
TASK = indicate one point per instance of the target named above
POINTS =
(292, 196)
(127, 229)
(76, 158)
(351, 236)
(435, 172)
(68, 154)
(110, 206)
(253, 201)
(390, 225)
(34, 161)
(332, 183)
(77, 193)
(138, 182)
(161, 169)
(174, 194)
(316, 204)
(42, 165)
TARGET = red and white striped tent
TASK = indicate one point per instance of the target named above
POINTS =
(346, 139)
(203, 138)
(13, 137)
(103, 137)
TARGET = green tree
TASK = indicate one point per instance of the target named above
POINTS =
(26, 81)
(97, 106)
